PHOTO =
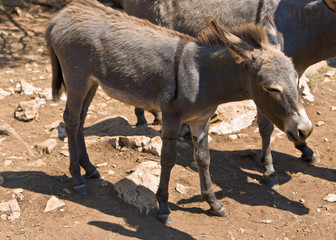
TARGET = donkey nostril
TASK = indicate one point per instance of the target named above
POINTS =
(301, 134)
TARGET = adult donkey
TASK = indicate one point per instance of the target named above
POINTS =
(306, 32)
(159, 69)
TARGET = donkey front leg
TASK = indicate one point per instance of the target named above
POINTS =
(266, 128)
(170, 131)
(199, 131)
(308, 154)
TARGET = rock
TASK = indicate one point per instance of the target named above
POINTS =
(53, 203)
(110, 172)
(2, 180)
(6, 129)
(332, 108)
(14, 216)
(65, 153)
(266, 221)
(320, 123)
(45, 94)
(14, 206)
(18, 193)
(4, 207)
(46, 146)
(305, 90)
(28, 89)
(181, 188)
(101, 164)
(330, 198)
(154, 146)
(330, 73)
(233, 137)
(133, 141)
(233, 117)
(27, 110)
(138, 189)
(3, 94)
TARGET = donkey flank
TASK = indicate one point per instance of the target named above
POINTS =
(140, 63)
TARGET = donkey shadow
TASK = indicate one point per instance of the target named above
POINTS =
(101, 198)
(118, 126)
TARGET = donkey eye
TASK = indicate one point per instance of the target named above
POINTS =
(273, 88)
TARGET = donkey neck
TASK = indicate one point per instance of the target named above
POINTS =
(209, 76)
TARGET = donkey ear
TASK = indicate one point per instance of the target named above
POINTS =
(239, 49)
(271, 30)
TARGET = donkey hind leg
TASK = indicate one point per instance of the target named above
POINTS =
(199, 131)
(266, 128)
(308, 154)
(170, 131)
(72, 119)
(91, 171)
(141, 120)
(140, 114)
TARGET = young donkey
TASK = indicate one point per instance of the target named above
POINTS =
(162, 70)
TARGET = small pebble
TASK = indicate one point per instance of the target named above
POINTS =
(332, 108)
(320, 123)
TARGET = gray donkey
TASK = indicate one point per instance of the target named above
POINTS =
(306, 32)
(158, 69)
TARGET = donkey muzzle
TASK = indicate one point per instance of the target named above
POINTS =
(299, 127)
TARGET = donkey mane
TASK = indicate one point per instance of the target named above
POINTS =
(254, 34)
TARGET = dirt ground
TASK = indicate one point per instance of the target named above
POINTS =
(295, 211)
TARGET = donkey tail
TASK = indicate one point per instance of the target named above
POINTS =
(57, 76)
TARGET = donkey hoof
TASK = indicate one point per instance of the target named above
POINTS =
(165, 219)
(141, 124)
(94, 175)
(220, 213)
(156, 122)
(272, 181)
(81, 189)
(311, 158)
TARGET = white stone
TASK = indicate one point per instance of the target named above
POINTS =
(27, 110)
(234, 117)
(154, 146)
(14, 216)
(28, 89)
(330, 198)
(4, 207)
(46, 146)
(3, 94)
(53, 203)
(330, 73)
(181, 188)
(134, 141)
(14, 206)
(110, 172)
(18, 193)
(138, 189)
(101, 164)
(320, 123)
(233, 137)
(303, 84)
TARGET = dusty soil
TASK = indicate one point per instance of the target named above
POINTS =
(295, 211)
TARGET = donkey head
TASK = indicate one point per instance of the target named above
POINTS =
(272, 84)
(331, 4)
